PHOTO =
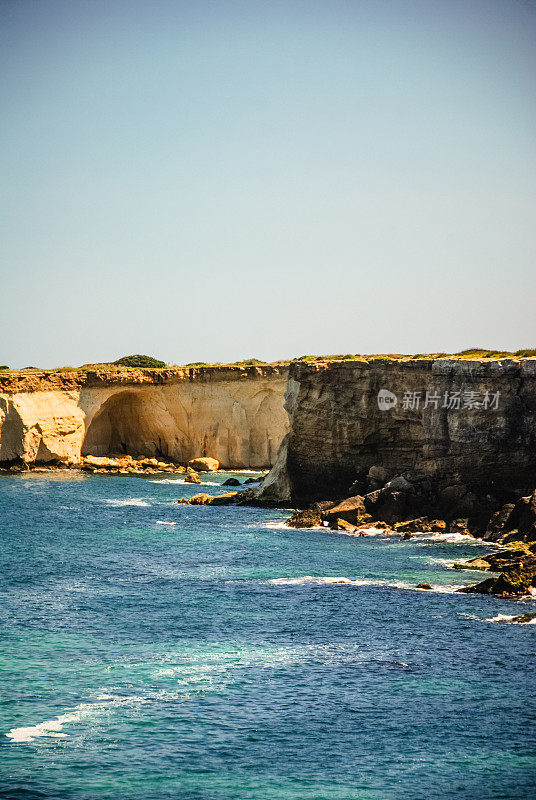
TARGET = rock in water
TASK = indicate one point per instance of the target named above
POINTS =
(191, 477)
(343, 525)
(516, 581)
(231, 482)
(305, 519)
(200, 500)
(204, 464)
(522, 619)
(475, 563)
(352, 510)
(424, 586)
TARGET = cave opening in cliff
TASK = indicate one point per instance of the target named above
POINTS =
(127, 424)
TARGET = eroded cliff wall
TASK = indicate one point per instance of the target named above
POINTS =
(234, 414)
(456, 421)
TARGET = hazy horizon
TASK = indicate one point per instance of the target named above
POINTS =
(219, 181)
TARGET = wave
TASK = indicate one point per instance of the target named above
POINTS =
(447, 538)
(447, 563)
(131, 501)
(305, 579)
(311, 579)
(510, 618)
(181, 481)
(163, 522)
(52, 728)
(280, 526)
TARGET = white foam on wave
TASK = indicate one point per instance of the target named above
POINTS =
(302, 581)
(52, 728)
(311, 579)
(280, 526)
(501, 618)
(509, 618)
(131, 501)
(181, 482)
(446, 538)
(163, 522)
(444, 562)
(367, 532)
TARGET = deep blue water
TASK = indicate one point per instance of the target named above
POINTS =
(196, 659)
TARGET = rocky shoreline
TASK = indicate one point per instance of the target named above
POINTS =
(396, 506)
(403, 508)
(128, 465)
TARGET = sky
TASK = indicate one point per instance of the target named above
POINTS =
(214, 181)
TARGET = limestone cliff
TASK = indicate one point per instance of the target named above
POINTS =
(453, 420)
(234, 414)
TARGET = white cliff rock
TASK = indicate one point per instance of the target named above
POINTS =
(235, 415)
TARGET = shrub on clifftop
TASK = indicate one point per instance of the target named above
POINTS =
(145, 362)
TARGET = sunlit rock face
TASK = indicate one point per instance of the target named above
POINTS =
(235, 415)
(451, 420)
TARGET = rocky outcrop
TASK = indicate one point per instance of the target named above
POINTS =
(516, 581)
(457, 431)
(233, 414)
(204, 464)
(516, 564)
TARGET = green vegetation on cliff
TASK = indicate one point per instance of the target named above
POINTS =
(148, 362)
(140, 362)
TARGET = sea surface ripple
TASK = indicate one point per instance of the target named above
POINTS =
(151, 650)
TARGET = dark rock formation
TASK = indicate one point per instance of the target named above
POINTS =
(468, 426)
(352, 510)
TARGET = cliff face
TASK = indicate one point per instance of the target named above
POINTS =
(455, 421)
(234, 414)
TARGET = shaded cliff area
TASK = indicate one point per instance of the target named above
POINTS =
(234, 414)
(359, 423)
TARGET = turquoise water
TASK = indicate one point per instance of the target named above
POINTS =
(153, 650)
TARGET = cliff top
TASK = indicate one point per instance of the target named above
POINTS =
(32, 379)
(122, 365)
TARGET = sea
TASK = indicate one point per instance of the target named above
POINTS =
(151, 650)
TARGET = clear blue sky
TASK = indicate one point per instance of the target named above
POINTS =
(219, 180)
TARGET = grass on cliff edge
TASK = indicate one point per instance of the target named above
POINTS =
(135, 362)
